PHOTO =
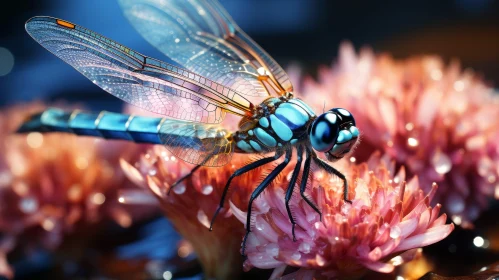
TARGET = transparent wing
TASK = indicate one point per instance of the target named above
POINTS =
(201, 36)
(142, 81)
(197, 143)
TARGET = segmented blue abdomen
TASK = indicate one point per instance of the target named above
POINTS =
(104, 124)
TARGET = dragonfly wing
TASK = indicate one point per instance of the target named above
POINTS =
(199, 144)
(201, 36)
(139, 80)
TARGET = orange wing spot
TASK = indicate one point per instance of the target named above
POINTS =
(263, 77)
(65, 24)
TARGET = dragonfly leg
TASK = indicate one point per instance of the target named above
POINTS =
(291, 186)
(189, 174)
(303, 185)
(239, 172)
(263, 185)
(331, 170)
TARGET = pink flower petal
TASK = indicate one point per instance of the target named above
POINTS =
(440, 221)
(427, 238)
(154, 187)
(301, 274)
(379, 266)
(407, 227)
(265, 230)
(240, 215)
(278, 271)
(263, 260)
(434, 213)
(132, 173)
(424, 219)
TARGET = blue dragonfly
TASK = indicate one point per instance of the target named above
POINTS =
(226, 72)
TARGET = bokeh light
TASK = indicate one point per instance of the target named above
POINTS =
(6, 61)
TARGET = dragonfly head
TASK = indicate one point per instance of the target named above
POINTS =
(334, 133)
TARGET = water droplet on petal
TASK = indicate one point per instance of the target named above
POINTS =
(207, 189)
(476, 142)
(260, 225)
(28, 205)
(247, 266)
(264, 206)
(485, 164)
(81, 163)
(395, 232)
(97, 198)
(179, 189)
(203, 219)
(152, 172)
(75, 192)
(345, 208)
(459, 85)
(296, 256)
(397, 260)
(457, 219)
(48, 224)
(412, 142)
(441, 162)
(304, 248)
(34, 140)
(311, 217)
(491, 178)
(436, 74)
(318, 175)
(272, 249)
(320, 260)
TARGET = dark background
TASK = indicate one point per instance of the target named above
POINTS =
(306, 32)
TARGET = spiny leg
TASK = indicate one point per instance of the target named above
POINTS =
(263, 185)
(303, 185)
(291, 186)
(331, 170)
(239, 172)
(189, 174)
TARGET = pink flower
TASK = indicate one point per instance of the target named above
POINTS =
(191, 205)
(387, 220)
(53, 185)
(440, 122)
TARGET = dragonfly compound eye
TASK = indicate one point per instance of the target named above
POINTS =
(334, 133)
(324, 132)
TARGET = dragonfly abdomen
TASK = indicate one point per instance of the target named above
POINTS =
(104, 124)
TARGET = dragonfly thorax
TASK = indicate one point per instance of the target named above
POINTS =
(276, 122)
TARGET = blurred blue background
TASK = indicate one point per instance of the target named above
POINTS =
(307, 32)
